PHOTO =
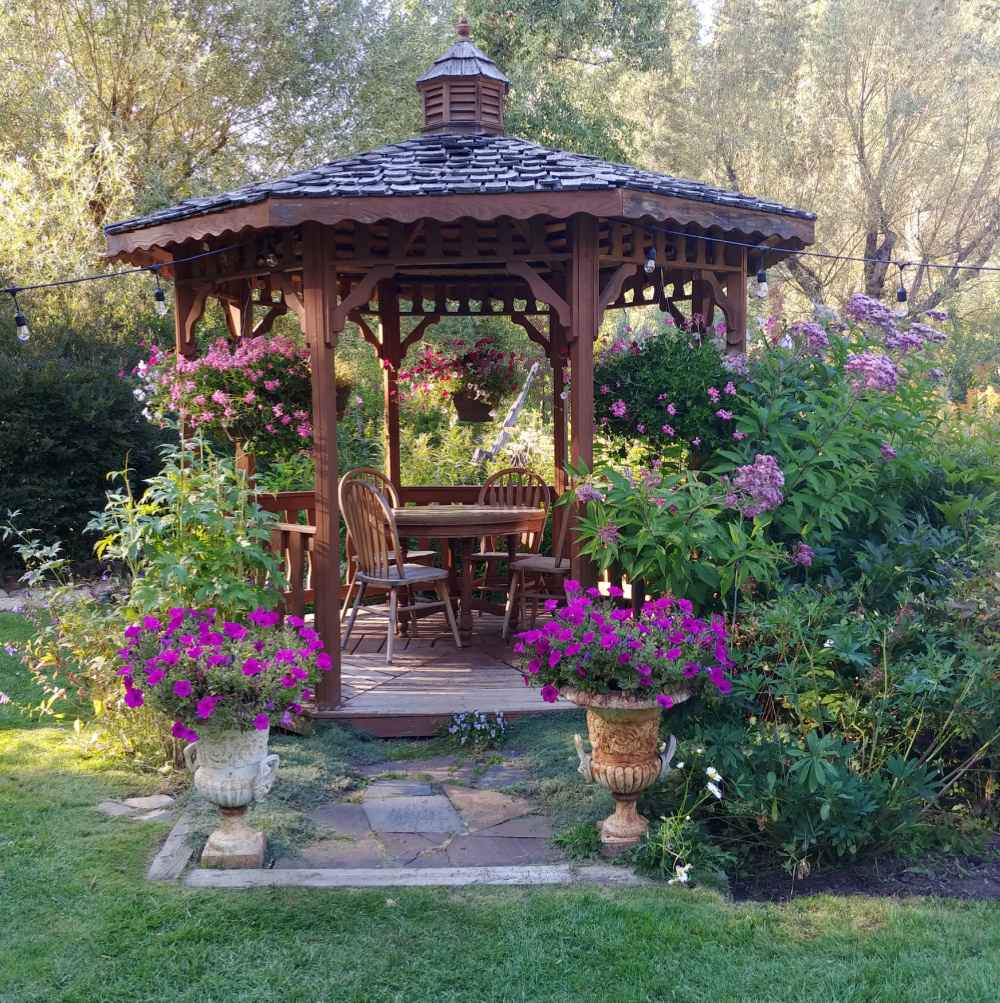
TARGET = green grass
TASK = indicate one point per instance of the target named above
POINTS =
(79, 923)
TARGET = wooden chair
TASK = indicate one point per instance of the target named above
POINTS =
(537, 578)
(515, 487)
(372, 526)
(377, 480)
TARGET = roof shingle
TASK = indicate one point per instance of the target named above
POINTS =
(456, 164)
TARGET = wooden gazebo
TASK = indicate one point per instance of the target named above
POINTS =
(465, 221)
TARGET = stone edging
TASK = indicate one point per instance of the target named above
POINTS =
(408, 877)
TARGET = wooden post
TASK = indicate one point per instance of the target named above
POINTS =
(388, 311)
(319, 293)
(557, 359)
(736, 293)
(584, 290)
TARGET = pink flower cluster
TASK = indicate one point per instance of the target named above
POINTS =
(191, 666)
(802, 554)
(864, 309)
(756, 487)
(259, 389)
(872, 371)
(480, 370)
(811, 336)
(592, 646)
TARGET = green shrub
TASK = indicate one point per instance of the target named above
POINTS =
(64, 422)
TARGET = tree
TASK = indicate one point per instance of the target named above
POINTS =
(883, 119)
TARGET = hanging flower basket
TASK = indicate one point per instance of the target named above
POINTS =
(471, 409)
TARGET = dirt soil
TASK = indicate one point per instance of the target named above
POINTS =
(943, 876)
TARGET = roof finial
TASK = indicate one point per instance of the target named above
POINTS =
(462, 28)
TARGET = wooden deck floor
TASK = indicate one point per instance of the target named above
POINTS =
(430, 679)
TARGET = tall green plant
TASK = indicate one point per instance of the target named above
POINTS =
(195, 537)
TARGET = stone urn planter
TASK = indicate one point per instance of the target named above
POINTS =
(232, 769)
(626, 757)
(471, 409)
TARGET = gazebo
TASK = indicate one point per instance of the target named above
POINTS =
(461, 221)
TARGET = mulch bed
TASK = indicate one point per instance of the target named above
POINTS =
(967, 877)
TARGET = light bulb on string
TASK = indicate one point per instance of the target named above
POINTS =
(20, 321)
(159, 296)
(901, 309)
(762, 290)
(650, 266)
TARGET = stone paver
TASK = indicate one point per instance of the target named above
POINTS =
(482, 809)
(437, 768)
(114, 809)
(426, 813)
(364, 852)
(414, 849)
(486, 851)
(537, 826)
(344, 819)
(502, 776)
(150, 803)
(396, 789)
(156, 815)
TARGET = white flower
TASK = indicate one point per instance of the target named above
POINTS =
(678, 766)
(713, 774)
(699, 751)
(828, 643)
(681, 872)
(714, 790)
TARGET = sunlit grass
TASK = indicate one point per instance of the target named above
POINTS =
(79, 922)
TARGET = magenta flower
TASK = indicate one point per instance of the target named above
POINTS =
(133, 697)
(154, 677)
(549, 693)
(665, 700)
(151, 623)
(262, 722)
(619, 409)
(713, 394)
(252, 667)
(205, 707)
(184, 733)
(182, 688)
(324, 662)
(724, 414)
(235, 631)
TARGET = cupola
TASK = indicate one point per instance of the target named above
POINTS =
(464, 91)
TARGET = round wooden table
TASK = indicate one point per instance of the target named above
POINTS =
(461, 526)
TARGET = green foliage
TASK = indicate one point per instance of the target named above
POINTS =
(64, 421)
(477, 730)
(662, 376)
(195, 537)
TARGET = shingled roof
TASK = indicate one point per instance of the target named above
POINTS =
(457, 165)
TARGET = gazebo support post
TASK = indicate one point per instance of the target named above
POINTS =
(388, 310)
(557, 359)
(319, 293)
(584, 290)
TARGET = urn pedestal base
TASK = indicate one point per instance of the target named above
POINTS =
(234, 844)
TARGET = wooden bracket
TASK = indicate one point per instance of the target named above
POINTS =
(417, 333)
(291, 296)
(366, 332)
(541, 290)
(274, 311)
(189, 307)
(359, 295)
(533, 333)
(613, 288)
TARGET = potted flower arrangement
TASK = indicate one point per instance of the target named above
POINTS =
(224, 683)
(476, 377)
(257, 393)
(625, 669)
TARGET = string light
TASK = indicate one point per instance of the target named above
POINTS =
(159, 297)
(20, 321)
(901, 309)
(650, 266)
(761, 290)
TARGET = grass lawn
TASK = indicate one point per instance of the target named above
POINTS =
(78, 922)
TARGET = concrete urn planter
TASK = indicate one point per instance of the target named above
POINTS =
(626, 757)
(232, 769)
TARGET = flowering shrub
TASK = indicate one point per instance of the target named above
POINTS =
(203, 672)
(666, 389)
(591, 646)
(481, 371)
(477, 729)
(257, 393)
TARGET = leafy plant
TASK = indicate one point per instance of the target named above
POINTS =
(476, 729)
(194, 537)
